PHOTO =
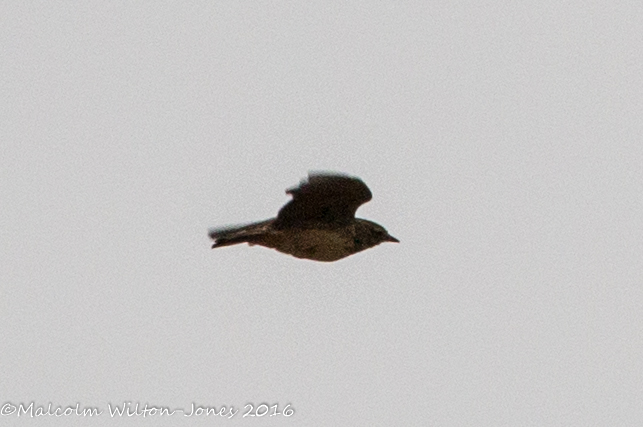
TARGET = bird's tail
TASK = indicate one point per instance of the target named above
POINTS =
(232, 235)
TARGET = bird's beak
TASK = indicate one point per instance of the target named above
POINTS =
(390, 238)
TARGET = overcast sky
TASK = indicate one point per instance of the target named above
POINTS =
(503, 145)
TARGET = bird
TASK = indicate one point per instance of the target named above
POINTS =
(318, 224)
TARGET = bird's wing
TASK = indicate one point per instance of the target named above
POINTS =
(325, 197)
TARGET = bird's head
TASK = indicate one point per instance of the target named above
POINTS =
(369, 234)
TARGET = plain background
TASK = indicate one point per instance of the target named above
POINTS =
(502, 143)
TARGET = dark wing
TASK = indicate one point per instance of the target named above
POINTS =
(324, 197)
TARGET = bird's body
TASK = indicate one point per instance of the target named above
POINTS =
(318, 224)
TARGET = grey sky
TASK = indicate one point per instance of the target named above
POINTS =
(502, 144)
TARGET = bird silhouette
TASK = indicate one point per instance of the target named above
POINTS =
(318, 223)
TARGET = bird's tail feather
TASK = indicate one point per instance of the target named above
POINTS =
(232, 235)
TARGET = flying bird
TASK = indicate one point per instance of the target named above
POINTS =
(318, 223)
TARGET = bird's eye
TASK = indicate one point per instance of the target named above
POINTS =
(357, 241)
